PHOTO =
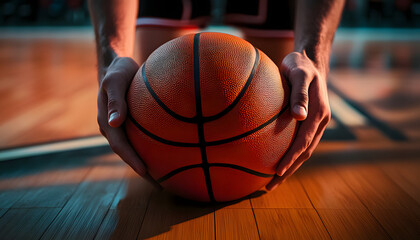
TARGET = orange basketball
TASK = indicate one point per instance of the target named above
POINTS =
(208, 114)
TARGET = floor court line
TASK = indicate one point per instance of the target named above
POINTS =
(53, 147)
(387, 130)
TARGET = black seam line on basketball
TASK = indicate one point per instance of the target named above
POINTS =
(227, 165)
(227, 140)
(159, 139)
(243, 169)
(161, 104)
(176, 171)
(212, 143)
(199, 115)
(241, 93)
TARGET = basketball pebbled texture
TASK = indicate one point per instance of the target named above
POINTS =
(208, 114)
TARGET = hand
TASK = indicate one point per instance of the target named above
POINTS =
(309, 104)
(112, 111)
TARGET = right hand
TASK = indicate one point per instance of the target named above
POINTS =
(112, 111)
(309, 104)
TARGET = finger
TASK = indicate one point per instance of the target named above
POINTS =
(152, 181)
(117, 106)
(303, 139)
(115, 84)
(299, 80)
(305, 132)
(120, 145)
(274, 183)
(277, 180)
(302, 158)
(102, 112)
(118, 141)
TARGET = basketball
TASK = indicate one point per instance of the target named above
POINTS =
(209, 116)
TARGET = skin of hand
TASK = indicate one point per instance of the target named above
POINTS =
(309, 105)
(112, 112)
(306, 70)
(114, 25)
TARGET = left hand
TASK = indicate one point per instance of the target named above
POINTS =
(309, 105)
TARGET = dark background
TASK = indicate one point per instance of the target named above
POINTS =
(357, 13)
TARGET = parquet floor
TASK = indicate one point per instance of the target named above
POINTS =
(362, 182)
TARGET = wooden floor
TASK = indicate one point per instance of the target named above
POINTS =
(48, 86)
(363, 181)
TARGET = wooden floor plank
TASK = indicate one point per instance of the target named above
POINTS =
(35, 107)
(9, 197)
(288, 195)
(352, 224)
(85, 210)
(327, 190)
(42, 181)
(235, 224)
(52, 188)
(399, 224)
(243, 203)
(123, 224)
(26, 223)
(341, 210)
(16, 178)
(405, 174)
(169, 217)
(290, 224)
(134, 192)
(394, 209)
(2, 211)
(375, 189)
(126, 214)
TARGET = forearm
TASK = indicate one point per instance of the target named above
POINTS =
(316, 23)
(114, 24)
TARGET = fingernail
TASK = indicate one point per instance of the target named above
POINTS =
(281, 173)
(113, 116)
(299, 110)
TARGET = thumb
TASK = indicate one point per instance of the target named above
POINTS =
(117, 107)
(299, 99)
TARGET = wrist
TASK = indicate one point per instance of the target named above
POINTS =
(319, 56)
(106, 56)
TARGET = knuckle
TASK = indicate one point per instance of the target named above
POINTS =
(298, 73)
(112, 103)
(130, 61)
(111, 79)
(323, 112)
(305, 156)
(106, 81)
(327, 116)
(308, 141)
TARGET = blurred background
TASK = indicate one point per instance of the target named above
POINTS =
(357, 13)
